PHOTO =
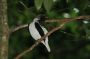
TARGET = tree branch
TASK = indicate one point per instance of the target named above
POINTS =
(63, 21)
(38, 41)
(19, 27)
(53, 20)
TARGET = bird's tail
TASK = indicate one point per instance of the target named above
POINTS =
(46, 45)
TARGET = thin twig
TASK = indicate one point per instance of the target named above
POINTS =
(53, 20)
(23, 4)
(19, 27)
(68, 19)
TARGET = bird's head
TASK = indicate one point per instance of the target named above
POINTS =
(40, 18)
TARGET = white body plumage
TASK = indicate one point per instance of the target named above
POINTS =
(36, 34)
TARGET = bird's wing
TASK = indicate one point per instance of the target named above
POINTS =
(39, 29)
(44, 29)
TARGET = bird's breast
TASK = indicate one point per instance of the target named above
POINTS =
(34, 32)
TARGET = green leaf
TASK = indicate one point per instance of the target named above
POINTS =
(48, 4)
(38, 3)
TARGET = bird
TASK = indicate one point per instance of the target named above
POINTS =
(37, 30)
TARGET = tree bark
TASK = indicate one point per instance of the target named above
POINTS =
(4, 30)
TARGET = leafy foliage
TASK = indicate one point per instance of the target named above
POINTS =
(47, 4)
(38, 4)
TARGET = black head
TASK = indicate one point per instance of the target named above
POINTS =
(42, 17)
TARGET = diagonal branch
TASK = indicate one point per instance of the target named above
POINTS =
(38, 41)
(23, 4)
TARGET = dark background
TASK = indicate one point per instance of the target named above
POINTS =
(71, 42)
